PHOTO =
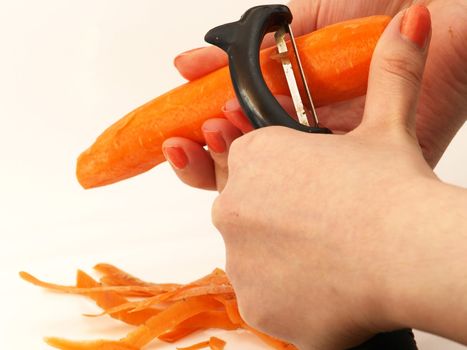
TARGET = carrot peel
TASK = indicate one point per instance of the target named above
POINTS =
(182, 312)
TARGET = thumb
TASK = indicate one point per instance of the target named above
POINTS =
(396, 71)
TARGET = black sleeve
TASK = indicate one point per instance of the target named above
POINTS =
(399, 340)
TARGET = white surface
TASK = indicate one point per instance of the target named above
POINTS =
(69, 69)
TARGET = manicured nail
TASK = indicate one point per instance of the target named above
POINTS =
(177, 157)
(416, 25)
(232, 106)
(234, 113)
(215, 141)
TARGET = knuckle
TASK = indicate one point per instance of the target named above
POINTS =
(217, 212)
(402, 68)
(241, 148)
(244, 142)
(224, 213)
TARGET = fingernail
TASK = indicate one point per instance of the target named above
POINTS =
(416, 25)
(231, 106)
(184, 54)
(215, 141)
(234, 113)
(239, 120)
(177, 157)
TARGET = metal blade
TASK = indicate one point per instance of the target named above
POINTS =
(305, 83)
(289, 74)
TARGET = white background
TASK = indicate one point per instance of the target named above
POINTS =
(68, 69)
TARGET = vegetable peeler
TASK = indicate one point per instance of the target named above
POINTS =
(241, 40)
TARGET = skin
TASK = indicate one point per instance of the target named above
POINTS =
(357, 227)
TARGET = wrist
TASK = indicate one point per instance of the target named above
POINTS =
(426, 287)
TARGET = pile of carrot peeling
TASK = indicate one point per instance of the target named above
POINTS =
(157, 312)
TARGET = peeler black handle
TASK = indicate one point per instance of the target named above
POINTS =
(242, 40)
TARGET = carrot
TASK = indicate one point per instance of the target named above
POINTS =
(113, 276)
(197, 346)
(88, 345)
(231, 308)
(117, 277)
(336, 61)
(212, 284)
(109, 299)
(205, 320)
(126, 290)
(168, 319)
(213, 343)
(175, 319)
(216, 343)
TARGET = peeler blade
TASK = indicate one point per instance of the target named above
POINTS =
(290, 76)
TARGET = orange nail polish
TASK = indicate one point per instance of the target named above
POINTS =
(416, 25)
(215, 141)
(240, 121)
(231, 106)
(176, 156)
(233, 112)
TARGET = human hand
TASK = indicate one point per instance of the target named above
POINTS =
(443, 104)
(312, 223)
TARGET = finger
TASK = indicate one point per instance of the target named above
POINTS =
(219, 135)
(196, 63)
(191, 162)
(342, 117)
(396, 70)
(234, 112)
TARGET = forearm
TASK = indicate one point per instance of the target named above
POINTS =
(430, 291)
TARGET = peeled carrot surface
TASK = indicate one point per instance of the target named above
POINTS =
(336, 61)
(170, 318)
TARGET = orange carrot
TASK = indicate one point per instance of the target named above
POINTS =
(113, 276)
(215, 283)
(216, 343)
(126, 290)
(197, 346)
(231, 308)
(336, 61)
(213, 343)
(109, 299)
(117, 277)
(168, 319)
(175, 319)
(205, 320)
(88, 345)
